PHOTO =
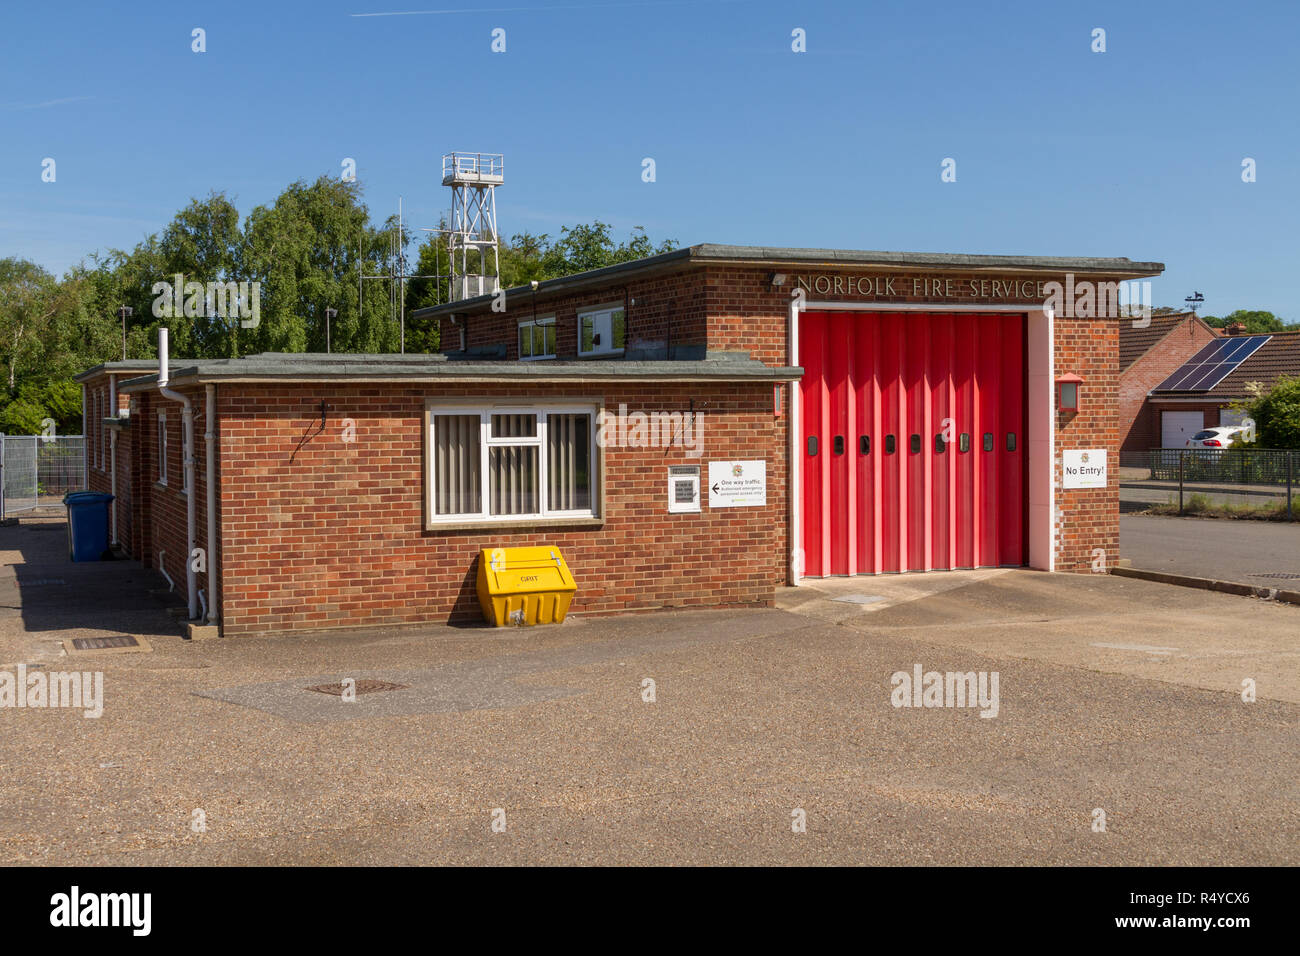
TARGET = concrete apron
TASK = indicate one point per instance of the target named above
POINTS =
(840, 599)
(1102, 623)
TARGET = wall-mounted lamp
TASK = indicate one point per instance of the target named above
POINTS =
(777, 279)
(1067, 393)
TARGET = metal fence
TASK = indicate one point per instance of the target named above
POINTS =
(39, 470)
(1243, 466)
(1235, 473)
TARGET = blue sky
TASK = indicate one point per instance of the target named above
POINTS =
(1060, 151)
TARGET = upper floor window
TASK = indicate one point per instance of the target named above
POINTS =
(601, 331)
(537, 338)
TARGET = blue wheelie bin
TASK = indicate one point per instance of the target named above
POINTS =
(87, 525)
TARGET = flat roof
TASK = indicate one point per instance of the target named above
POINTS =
(779, 256)
(138, 366)
(313, 367)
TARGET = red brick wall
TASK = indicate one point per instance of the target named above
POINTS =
(736, 308)
(334, 535)
(98, 437)
(122, 504)
(1139, 421)
(96, 404)
(667, 308)
(159, 518)
(742, 311)
(323, 533)
(1087, 518)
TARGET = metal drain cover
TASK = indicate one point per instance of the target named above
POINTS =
(362, 687)
(100, 643)
(858, 598)
(1285, 575)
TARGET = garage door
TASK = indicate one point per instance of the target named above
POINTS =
(1177, 427)
(913, 441)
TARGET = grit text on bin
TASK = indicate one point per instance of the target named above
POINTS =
(524, 585)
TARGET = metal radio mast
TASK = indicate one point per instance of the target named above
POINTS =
(472, 237)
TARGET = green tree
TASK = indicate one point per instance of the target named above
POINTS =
(1256, 321)
(304, 251)
(1277, 414)
(203, 244)
(29, 302)
(527, 257)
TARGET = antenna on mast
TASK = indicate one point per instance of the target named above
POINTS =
(396, 275)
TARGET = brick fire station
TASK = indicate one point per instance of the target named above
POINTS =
(693, 429)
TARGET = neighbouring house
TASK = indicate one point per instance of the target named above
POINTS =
(1149, 352)
(1233, 369)
(693, 429)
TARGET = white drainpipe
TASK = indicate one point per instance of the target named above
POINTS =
(162, 568)
(210, 452)
(191, 517)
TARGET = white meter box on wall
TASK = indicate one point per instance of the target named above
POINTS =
(683, 488)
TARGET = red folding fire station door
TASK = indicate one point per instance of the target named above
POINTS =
(912, 452)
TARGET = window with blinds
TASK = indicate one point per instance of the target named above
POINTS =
(455, 464)
(506, 463)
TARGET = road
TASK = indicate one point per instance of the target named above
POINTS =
(1265, 553)
(1113, 693)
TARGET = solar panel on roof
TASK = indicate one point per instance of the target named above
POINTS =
(1211, 365)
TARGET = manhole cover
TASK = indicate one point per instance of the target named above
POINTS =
(362, 687)
(100, 643)
(1286, 575)
(858, 598)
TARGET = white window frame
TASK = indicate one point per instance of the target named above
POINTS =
(540, 321)
(487, 442)
(596, 315)
(162, 448)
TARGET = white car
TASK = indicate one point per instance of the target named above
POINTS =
(1220, 437)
